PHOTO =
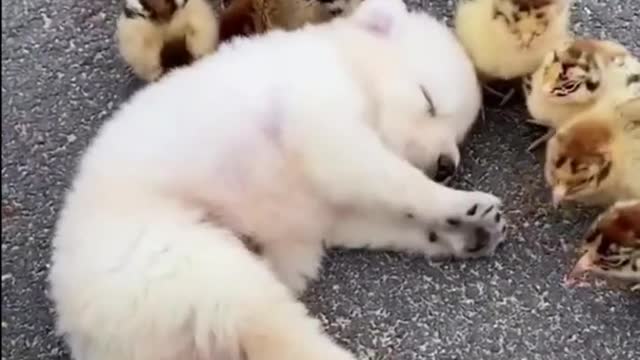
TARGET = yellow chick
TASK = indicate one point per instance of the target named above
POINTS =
(595, 157)
(573, 78)
(508, 39)
(155, 36)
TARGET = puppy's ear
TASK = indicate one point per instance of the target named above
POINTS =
(381, 17)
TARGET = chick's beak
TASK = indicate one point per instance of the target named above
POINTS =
(558, 195)
(526, 39)
(584, 265)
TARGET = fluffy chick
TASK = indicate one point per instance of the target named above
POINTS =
(612, 246)
(246, 17)
(595, 157)
(571, 79)
(508, 39)
(155, 36)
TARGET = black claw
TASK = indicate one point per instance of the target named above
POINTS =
(487, 210)
(473, 210)
(504, 230)
(453, 222)
(498, 217)
(433, 237)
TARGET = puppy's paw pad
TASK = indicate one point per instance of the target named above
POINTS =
(481, 242)
(477, 229)
(488, 232)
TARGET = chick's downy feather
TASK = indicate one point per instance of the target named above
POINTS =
(611, 247)
(507, 39)
(595, 157)
(156, 36)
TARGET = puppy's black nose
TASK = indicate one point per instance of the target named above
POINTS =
(446, 168)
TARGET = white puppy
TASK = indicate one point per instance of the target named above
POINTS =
(202, 207)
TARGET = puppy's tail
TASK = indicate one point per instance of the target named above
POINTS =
(162, 284)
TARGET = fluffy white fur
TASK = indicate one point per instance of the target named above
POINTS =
(290, 138)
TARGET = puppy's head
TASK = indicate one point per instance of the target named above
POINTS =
(414, 130)
(414, 125)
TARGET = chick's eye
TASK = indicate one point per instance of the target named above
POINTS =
(581, 182)
(560, 161)
(539, 16)
(499, 14)
(592, 237)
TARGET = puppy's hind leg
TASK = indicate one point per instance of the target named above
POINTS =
(354, 170)
(284, 331)
(269, 323)
(183, 291)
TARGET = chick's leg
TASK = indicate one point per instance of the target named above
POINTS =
(504, 97)
(542, 139)
(538, 122)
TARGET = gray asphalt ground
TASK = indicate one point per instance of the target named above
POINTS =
(61, 78)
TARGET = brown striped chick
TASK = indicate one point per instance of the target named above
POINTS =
(155, 36)
(246, 17)
(572, 79)
(611, 247)
(595, 157)
(508, 39)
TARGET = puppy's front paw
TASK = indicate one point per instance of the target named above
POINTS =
(474, 228)
(487, 229)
